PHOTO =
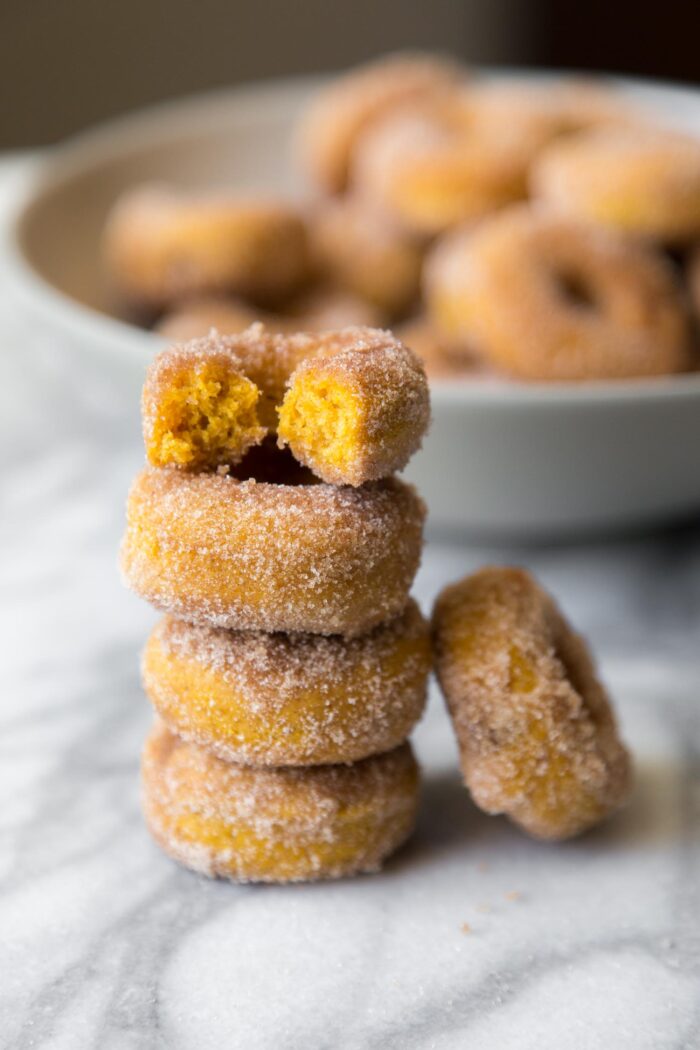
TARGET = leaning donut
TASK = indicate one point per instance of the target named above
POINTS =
(276, 825)
(641, 182)
(289, 700)
(545, 297)
(535, 728)
(251, 555)
(161, 246)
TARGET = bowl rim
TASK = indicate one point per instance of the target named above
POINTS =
(131, 344)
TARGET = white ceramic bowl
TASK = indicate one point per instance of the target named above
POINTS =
(502, 459)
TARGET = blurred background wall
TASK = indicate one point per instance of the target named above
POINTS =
(65, 64)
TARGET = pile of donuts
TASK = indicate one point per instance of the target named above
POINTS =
(539, 231)
(291, 663)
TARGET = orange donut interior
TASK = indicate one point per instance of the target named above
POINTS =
(209, 415)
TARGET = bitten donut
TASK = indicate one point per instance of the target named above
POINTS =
(358, 410)
(276, 825)
(545, 297)
(537, 736)
(265, 556)
(161, 246)
(358, 249)
(342, 112)
(198, 408)
(430, 167)
(316, 310)
(643, 182)
(289, 700)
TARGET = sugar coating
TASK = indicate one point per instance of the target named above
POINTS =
(342, 112)
(430, 166)
(359, 249)
(315, 310)
(250, 555)
(547, 297)
(357, 411)
(642, 181)
(536, 731)
(280, 699)
(161, 245)
(276, 825)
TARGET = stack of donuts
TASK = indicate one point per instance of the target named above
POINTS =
(291, 663)
(543, 232)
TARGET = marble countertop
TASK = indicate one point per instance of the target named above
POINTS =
(473, 936)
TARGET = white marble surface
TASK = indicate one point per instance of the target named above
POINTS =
(106, 944)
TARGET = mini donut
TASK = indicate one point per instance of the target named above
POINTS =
(545, 297)
(430, 167)
(343, 111)
(289, 700)
(199, 410)
(543, 112)
(359, 250)
(640, 181)
(269, 556)
(357, 411)
(276, 825)
(315, 310)
(161, 246)
(536, 732)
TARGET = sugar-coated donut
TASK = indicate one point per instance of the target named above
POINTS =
(543, 112)
(161, 246)
(430, 167)
(641, 181)
(289, 700)
(537, 736)
(546, 297)
(358, 249)
(198, 408)
(315, 310)
(266, 556)
(358, 410)
(344, 110)
(276, 825)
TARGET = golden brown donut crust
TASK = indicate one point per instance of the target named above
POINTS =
(161, 246)
(276, 825)
(536, 731)
(643, 181)
(250, 555)
(545, 297)
(290, 700)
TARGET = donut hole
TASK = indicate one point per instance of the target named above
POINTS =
(271, 465)
(206, 418)
(576, 290)
(321, 421)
